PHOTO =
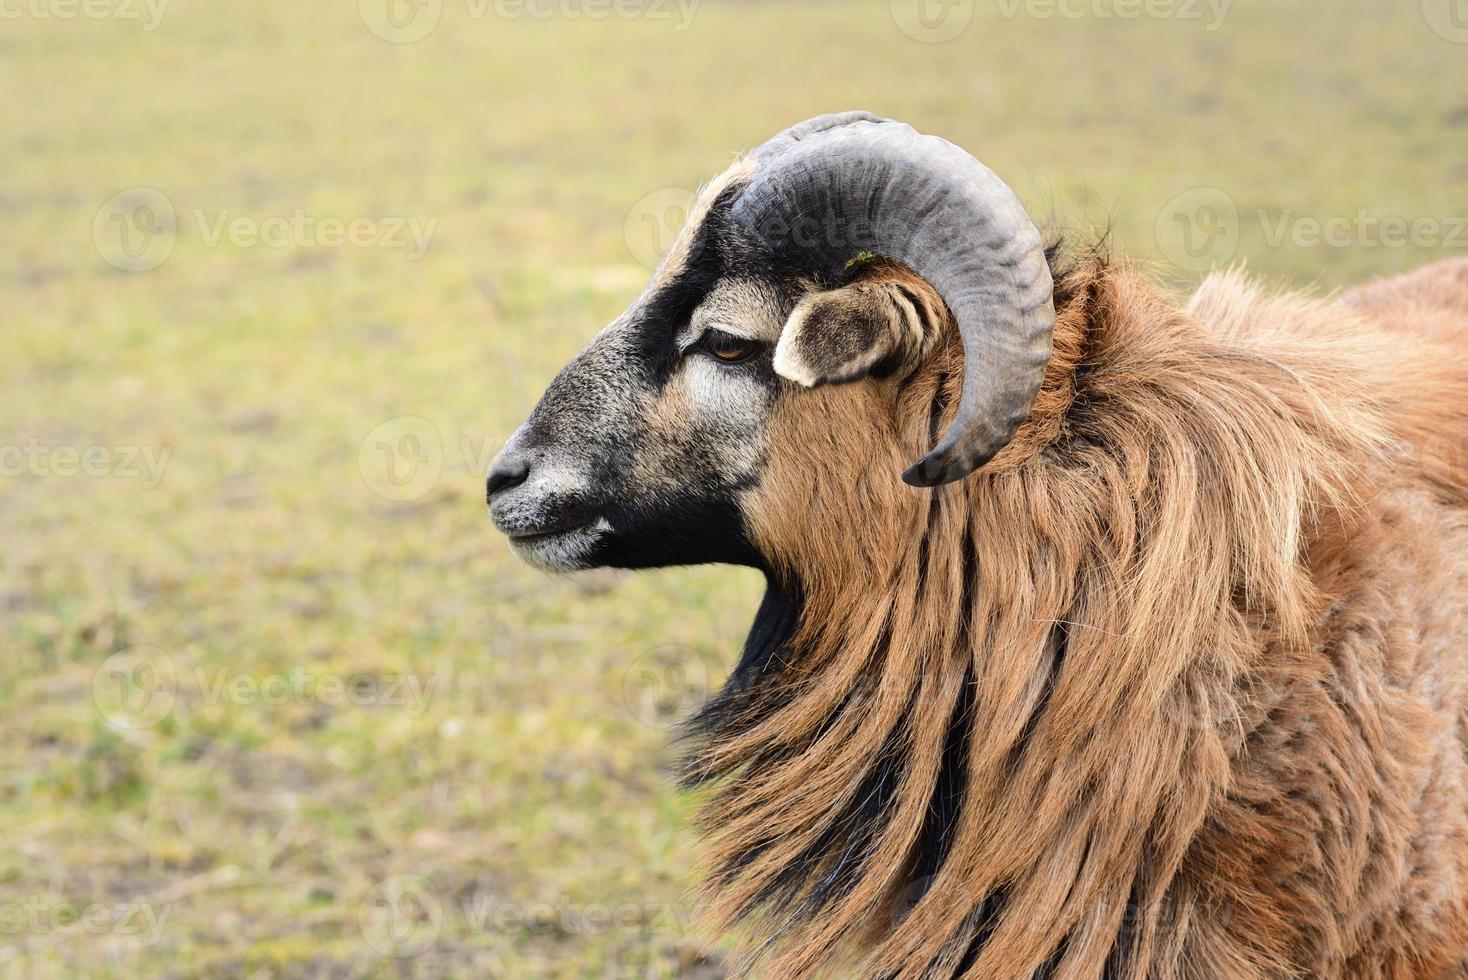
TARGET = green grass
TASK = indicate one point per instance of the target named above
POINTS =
(272, 824)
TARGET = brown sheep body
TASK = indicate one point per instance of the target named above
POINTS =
(1161, 670)
(1206, 616)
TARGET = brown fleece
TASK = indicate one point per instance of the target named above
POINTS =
(1205, 616)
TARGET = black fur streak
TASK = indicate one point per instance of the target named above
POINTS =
(710, 529)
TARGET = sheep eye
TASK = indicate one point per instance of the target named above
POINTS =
(727, 347)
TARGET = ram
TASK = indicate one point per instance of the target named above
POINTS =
(1152, 665)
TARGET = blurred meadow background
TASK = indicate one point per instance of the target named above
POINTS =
(278, 279)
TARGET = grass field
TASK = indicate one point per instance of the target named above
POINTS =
(275, 700)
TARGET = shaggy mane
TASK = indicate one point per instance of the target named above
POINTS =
(1019, 725)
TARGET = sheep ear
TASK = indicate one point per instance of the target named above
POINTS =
(846, 334)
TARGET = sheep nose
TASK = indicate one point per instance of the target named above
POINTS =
(507, 472)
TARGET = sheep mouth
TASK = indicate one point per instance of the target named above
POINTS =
(543, 520)
(530, 537)
(562, 548)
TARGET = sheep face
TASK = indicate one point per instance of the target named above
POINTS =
(651, 447)
(779, 346)
(641, 448)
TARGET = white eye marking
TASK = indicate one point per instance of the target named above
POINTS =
(716, 389)
(735, 404)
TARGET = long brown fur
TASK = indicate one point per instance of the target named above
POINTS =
(1196, 637)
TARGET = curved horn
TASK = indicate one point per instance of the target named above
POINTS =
(835, 186)
(811, 127)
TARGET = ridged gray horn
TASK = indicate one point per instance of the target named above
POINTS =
(836, 186)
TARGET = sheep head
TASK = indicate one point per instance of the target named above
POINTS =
(831, 265)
